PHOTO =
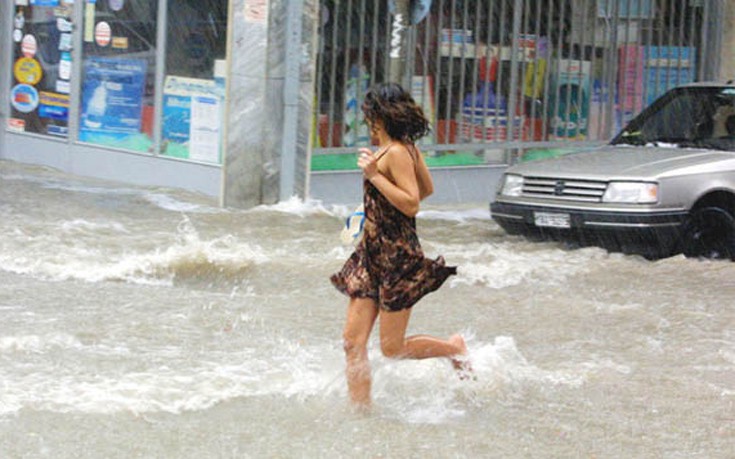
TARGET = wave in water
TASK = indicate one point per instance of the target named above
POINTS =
(505, 264)
(427, 391)
(188, 257)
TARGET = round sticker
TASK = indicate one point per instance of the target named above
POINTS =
(17, 35)
(116, 5)
(24, 98)
(28, 46)
(27, 70)
(102, 33)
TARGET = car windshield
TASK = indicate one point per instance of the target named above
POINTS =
(700, 117)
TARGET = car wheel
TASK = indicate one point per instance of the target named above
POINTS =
(709, 232)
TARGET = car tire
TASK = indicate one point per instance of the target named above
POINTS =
(709, 232)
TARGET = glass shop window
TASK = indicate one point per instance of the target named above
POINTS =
(41, 69)
(194, 86)
(118, 73)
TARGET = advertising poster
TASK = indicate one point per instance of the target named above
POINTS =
(112, 98)
(191, 118)
(204, 131)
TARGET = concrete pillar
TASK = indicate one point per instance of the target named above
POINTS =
(296, 82)
(727, 60)
(245, 156)
(270, 89)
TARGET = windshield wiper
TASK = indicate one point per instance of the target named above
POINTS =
(631, 138)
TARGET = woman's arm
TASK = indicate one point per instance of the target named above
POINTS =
(403, 190)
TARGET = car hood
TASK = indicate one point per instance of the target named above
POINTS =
(611, 162)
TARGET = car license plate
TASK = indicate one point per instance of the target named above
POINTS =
(551, 219)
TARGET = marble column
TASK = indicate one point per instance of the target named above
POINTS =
(298, 99)
(257, 100)
(244, 160)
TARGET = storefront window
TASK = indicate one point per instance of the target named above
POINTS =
(41, 67)
(118, 73)
(193, 95)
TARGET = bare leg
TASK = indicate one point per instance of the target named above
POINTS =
(393, 341)
(361, 314)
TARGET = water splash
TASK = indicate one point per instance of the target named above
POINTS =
(187, 257)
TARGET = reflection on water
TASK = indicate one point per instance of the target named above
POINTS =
(150, 322)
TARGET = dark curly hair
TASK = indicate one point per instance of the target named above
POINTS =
(402, 118)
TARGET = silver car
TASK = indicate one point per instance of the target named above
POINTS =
(664, 185)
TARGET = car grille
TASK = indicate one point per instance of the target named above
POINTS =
(564, 189)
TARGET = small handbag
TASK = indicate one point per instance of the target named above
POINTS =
(353, 227)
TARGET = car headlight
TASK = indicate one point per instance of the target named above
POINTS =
(631, 193)
(512, 185)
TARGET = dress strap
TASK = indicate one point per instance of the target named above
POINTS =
(382, 151)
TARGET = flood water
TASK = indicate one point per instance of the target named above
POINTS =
(140, 322)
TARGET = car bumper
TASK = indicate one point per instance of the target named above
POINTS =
(628, 231)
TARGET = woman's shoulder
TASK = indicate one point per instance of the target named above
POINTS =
(402, 150)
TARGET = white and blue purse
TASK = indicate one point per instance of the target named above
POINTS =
(354, 226)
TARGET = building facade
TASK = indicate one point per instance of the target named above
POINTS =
(254, 101)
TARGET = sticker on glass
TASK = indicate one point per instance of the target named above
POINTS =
(120, 42)
(63, 87)
(29, 46)
(19, 21)
(16, 125)
(65, 66)
(63, 24)
(64, 11)
(24, 98)
(116, 5)
(65, 42)
(102, 33)
(53, 106)
(89, 22)
(17, 35)
(27, 70)
(60, 131)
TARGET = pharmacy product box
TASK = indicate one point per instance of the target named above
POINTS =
(489, 125)
(630, 81)
(569, 104)
(667, 67)
(457, 36)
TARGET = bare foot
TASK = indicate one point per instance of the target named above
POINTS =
(460, 362)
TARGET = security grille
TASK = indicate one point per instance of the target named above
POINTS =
(511, 75)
